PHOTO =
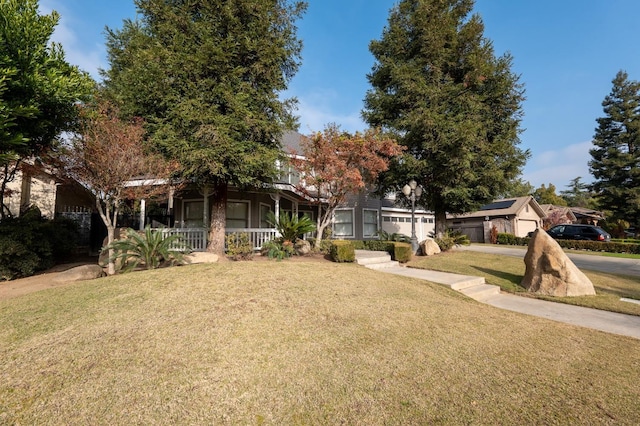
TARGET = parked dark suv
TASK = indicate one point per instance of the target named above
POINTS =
(579, 232)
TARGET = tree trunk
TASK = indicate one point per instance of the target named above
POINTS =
(441, 223)
(218, 220)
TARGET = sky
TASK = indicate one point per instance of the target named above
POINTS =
(566, 52)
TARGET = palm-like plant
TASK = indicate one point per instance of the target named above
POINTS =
(151, 249)
(290, 226)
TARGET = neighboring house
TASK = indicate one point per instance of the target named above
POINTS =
(37, 185)
(557, 215)
(517, 216)
(360, 219)
(587, 216)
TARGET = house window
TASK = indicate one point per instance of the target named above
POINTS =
(193, 214)
(369, 223)
(386, 219)
(343, 223)
(237, 214)
(264, 211)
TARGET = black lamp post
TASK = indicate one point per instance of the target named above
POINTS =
(412, 191)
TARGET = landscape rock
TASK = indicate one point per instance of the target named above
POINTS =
(549, 271)
(79, 273)
(429, 247)
(200, 257)
(302, 247)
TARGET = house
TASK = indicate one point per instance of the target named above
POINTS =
(37, 185)
(361, 218)
(517, 216)
(557, 215)
(587, 216)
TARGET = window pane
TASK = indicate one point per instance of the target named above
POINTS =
(237, 215)
(263, 216)
(343, 225)
(370, 225)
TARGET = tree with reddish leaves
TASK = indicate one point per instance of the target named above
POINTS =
(334, 164)
(109, 158)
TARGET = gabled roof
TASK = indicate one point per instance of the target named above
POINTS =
(291, 141)
(550, 208)
(581, 212)
(503, 207)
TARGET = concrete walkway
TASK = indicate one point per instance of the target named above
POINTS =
(475, 287)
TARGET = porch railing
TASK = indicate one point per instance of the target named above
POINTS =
(196, 238)
(258, 236)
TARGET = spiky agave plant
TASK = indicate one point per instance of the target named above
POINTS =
(152, 249)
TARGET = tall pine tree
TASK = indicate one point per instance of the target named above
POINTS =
(615, 163)
(206, 77)
(438, 86)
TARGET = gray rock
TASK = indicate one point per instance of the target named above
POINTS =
(429, 247)
(79, 273)
(302, 247)
(549, 270)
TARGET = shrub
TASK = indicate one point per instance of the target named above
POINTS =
(512, 240)
(401, 252)
(493, 236)
(385, 236)
(278, 249)
(451, 239)
(152, 249)
(30, 243)
(342, 251)
(239, 246)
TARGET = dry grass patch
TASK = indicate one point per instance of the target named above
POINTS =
(299, 343)
(507, 272)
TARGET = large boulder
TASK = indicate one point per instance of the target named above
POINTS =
(200, 257)
(79, 273)
(429, 247)
(549, 270)
(302, 247)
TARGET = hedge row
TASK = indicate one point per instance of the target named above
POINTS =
(341, 250)
(611, 247)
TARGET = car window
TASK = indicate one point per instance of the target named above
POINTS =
(588, 231)
(571, 230)
(556, 230)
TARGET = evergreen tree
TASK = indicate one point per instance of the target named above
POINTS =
(615, 162)
(205, 76)
(578, 194)
(38, 88)
(438, 86)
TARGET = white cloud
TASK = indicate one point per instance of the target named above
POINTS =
(560, 166)
(318, 108)
(88, 58)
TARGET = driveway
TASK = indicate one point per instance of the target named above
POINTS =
(612, 265)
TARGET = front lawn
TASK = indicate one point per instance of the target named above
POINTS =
(300, 343)
(507, 272)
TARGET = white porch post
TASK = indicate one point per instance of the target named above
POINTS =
(170, 201)
(206, 192)
(143, 213)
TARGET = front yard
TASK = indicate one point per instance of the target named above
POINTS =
(299, 343)
(507, 272)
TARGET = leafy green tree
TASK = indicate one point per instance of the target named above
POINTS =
(206, 77)
(38, 88)
(517, 188)
(578, 194)
(615, 162)
(547, 195)
(437, 85)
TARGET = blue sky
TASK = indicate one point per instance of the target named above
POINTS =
(566, 51)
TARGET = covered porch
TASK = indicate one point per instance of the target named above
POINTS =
(187, 213)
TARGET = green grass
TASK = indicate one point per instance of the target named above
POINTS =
(299, 343)
(507, 272)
